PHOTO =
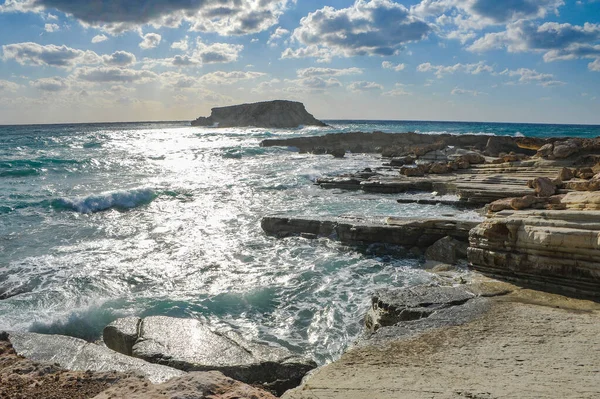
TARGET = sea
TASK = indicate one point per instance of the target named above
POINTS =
(101, 221)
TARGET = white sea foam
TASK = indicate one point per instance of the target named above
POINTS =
(126, 199)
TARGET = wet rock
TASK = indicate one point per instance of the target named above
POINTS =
(121, 334)
(338, 153)
(187, 344)
(447, 250)
(392, 306)
(76, 354)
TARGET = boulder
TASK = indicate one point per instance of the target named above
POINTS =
(471, 157)
(338, 153)
(267, 114)
(76, 354)
(543, 187)
(565, 174)
(564, 149)
(546, 150)
(447, 250)
(413, 172)
(583, 185)
(584, 173)
(438, 168)
(189, 345)
(523, 203)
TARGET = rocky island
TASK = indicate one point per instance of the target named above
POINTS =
(278, 114)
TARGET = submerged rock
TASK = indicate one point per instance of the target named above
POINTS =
(188, 345)
(268, 114)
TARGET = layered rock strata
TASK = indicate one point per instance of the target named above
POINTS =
(409, 233)
(187, 344)
(267, 114)
(556, 249)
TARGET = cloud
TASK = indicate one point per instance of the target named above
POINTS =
(51, 28)
(595, 65)
(216, 52)
(375, 27)
(113, 74)
(313, 71)
(389, 65)
(222, 77)
(53, 84)
(226, 17)
(6, 85)
(457, 91)
(364, 86)
(441, 70)
(277, 35)
(180, 45)
(316, 83)
(477, 14)
(99, 38)
(119, 58)
(556, 41)
(397, 91)
(150, 40)
(48, 55)
(527, 76)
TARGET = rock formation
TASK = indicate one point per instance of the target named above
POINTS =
(268, 114)
(188, 345)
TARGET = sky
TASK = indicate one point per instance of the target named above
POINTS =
(142, 60)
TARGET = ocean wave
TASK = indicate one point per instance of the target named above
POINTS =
(240, 152)
(35, 163)
(110, 200)
(19, 172)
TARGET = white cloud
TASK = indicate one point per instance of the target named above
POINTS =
(6, 85)
(277, 35)
(181, 45)
(225, 17)
(150, 40)
(119, 58)
(314, 83)
(397, 91)
(364, 86)
(527, 76)
(389, 65)
(48, 55)
(375, 27)
(457, 91)
(99, 38)
(53, 84)
(314, 71)
(595, 65)
(216, 52)
(441, 70)
(51, 28)
(113, 74)
(222, 77)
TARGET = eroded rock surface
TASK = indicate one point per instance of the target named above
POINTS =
(268, 114)
(79, 355)
(187, 344)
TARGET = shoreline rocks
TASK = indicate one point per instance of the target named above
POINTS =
(188, 345)
(267, 114)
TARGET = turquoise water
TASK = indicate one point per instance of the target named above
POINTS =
(102, 221)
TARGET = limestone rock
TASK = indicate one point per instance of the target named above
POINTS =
(268, 114)
(565, 149)
(392, 306)
(583, 185)
(546, 150)
(523, 202)
(584, 173)
(543, 187)
(188, 345)
(194, 385)
(76, 354)
(121, 334)
(447, 250)
(565, 174)
(582, 200)
(559, 249)
(439, 168)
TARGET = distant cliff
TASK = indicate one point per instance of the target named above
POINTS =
(270, 114)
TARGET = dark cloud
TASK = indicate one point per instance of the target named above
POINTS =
(119, 58)
(502, 11)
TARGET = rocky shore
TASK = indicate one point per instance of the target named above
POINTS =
(511, 312)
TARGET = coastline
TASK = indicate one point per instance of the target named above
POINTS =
(480, 174)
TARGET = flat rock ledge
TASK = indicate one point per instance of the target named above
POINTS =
(485, 339)
(189, 345)
(23, 378)
(406, 232)
(267, 114)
